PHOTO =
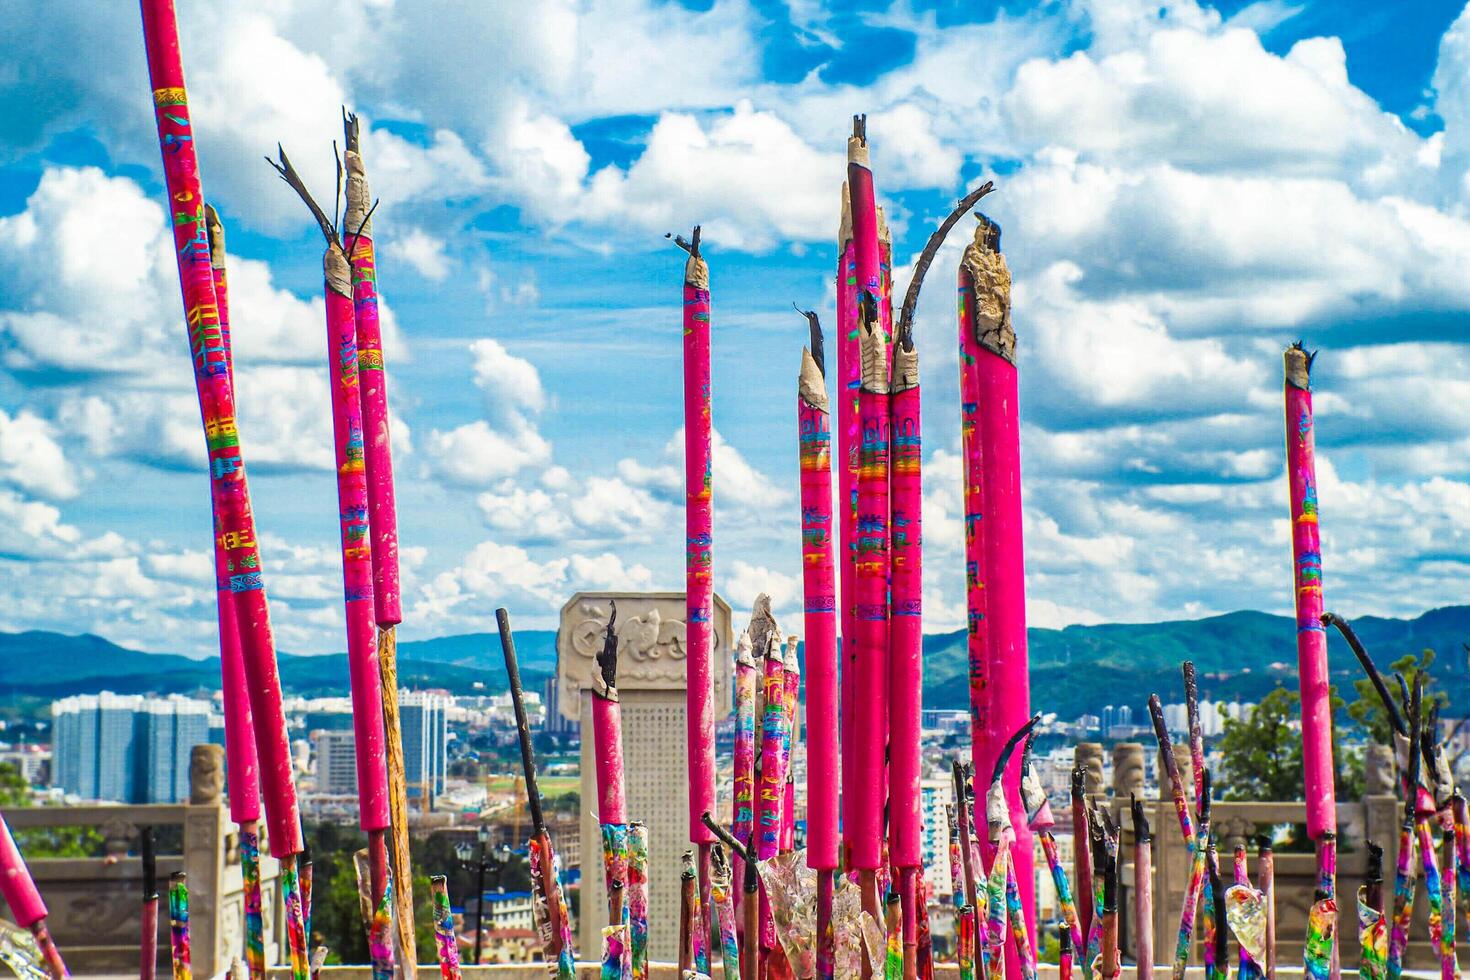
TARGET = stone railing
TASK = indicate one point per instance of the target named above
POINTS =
(95, 902)
(1375, 818)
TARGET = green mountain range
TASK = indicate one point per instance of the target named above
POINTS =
(1240, 655)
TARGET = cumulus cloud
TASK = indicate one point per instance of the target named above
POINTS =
(750, 179)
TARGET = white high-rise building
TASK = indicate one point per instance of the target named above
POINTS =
(934, 796)
(422, 718)
(126, 748)
(336, 762)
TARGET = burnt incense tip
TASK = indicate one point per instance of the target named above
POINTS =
(1140, 820)
(337, 270)
(1297, 362)
(350, 130)
(607, 660)
(765, 635)
(811, 382)
(857, 152)
(844, 226)
(905, 368)
(990, 281)
(818, 348)
(150, 864)
(875, 362)
(215, 229)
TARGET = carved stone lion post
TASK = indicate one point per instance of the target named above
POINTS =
(651, 681)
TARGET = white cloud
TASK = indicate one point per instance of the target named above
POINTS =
(422, 252)
(474, 454)
(747, 177)
(32, 459)
(497, 574)
(745, 581)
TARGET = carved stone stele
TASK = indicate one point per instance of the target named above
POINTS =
(1127, 770)
(652, 650)
(206, 775)
(1090, 754)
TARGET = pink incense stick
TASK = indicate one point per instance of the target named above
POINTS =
(772, 771)
(790, 696)
(370, 741)
(231, 498)
(871, 580)
(352, 494)
(819, 590)
(357, 229)
(357, 566)
(699, 562)
(747, 684)
(905, 642)
(26, 907)
(607, 731)
(242, 768)
(1311, 635)
(1301, 469)
(1143, 892)
(849, 438)
(1008, 703)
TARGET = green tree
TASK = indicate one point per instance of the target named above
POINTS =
(44, 842)
(1261, 753)
(1367, 708)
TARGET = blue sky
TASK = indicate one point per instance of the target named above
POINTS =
(1184, 189)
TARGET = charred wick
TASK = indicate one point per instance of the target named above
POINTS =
(814, 326)
(690, 245)
(905, 331)
(350, 130)
(287, 172)
(1395, 717)
(1141, 832)
(607, 660)
(1010, 748)
(860, 127)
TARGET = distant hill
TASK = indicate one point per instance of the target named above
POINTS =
(1239, 655)
(1074, 670)
(44, 664)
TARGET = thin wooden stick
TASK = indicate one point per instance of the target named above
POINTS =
(551, 907)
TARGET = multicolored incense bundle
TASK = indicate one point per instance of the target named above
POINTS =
(377, 451)
(365, 681)
(1311, 635)
(235, 523)
(994, 561)
(699, 561)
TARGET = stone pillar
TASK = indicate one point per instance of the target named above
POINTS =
(1090, 754)
(1378, 771)
(1185, 762)
(651, 689)
(1127, 771)
(204, 829)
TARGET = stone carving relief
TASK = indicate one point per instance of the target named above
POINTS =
(206, 775)
(652, 644)
(1127, 770)
(1090, 754)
